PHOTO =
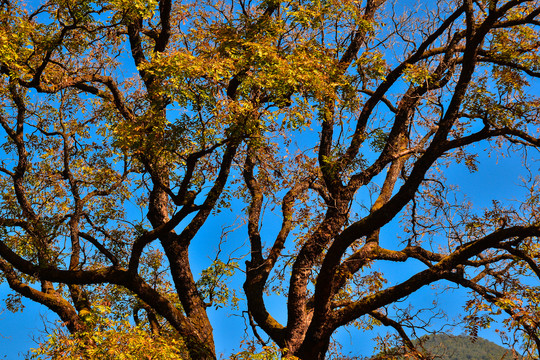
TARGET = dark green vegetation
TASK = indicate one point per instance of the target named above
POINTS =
(461, 347)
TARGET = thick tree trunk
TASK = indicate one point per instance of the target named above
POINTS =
(314, 344)
(313, 350)
(189, 296)
(177, 254)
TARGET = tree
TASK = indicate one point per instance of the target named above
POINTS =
(130, 124)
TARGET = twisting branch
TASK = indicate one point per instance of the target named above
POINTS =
(386, 321)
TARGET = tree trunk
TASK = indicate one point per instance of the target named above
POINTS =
(177, 254)
(313, 349)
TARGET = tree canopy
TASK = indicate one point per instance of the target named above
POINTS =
(130, 125)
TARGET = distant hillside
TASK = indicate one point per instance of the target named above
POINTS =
(450, 347)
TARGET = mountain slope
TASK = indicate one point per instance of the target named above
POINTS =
(463, 348)
(450, 347)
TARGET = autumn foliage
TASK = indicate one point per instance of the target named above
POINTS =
(129, 126)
